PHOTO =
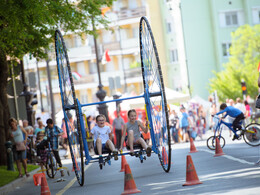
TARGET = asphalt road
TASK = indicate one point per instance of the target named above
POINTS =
(234, 173)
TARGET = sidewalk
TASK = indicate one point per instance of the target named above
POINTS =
(14, 185)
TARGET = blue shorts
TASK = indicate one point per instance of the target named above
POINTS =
(19, 155)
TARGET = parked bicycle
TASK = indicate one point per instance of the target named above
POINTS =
(250, 133)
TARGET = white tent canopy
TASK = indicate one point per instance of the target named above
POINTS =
(171, 97)
(197, 99)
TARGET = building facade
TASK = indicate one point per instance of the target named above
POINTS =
(207, 27)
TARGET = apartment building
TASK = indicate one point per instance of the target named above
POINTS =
(207, 27)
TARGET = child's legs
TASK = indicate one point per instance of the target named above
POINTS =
(99, 146)
(130, 139)
(110, 145)
(142, 142)
(57, 157)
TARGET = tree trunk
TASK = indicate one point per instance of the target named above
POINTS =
(4, 109)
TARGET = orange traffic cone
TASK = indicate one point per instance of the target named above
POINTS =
(130, 187)
(191, 175)
(45, 190)
(164, 156)
(218, 149)
(123, 163)
(37, 178)
(192, 146)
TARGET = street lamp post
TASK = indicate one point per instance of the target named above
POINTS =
(101, 93)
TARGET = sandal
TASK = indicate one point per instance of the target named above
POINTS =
(132, 153)
(20, 175)
(148, 151)
(27, 174)
(115, 154)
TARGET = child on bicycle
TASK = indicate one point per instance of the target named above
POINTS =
(102, 135)
(134, 134)
(234, 113)
(53, 132)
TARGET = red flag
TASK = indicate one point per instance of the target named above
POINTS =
(108, 59)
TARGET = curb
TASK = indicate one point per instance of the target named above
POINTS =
(16, 183)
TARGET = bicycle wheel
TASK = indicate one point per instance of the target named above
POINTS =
(154, 94)
(252, 139)
(70, 107)
(51, 165)
(211, 142)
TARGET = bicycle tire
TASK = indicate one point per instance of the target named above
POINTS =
(70, 107)
(250, 138)
(51, 166)
(211, 142)
(154, 92)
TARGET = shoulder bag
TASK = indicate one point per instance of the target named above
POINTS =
(20, 146)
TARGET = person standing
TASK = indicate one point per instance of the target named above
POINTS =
(28, 127)
(53, 132)
(118, 124)
(184, 124)
(19, 145)
(174, 123)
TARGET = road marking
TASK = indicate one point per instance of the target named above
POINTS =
(71, 182)
(230, 157)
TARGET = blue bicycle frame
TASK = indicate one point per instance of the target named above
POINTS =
(220, 122)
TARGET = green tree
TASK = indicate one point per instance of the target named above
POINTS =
(27, 26)
(242, 64)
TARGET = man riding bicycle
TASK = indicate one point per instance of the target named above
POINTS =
(234, 113)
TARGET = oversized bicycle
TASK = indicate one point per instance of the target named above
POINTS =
(155, 103)
(250, 133)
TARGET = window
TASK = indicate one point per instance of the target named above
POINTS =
(231, 19)
(92, 67)
(67, 42)
(169, 27)
(225, 49)
(174, 55)
(81, 68)
(256, 15)
(78, 41)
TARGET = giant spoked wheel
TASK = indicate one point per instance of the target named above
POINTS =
(70, 107)
(154, 94)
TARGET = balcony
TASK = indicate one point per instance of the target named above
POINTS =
(85, 79)
(79, 52)
(131, 13)
(111, 46)
(133, 72)
(130, 43)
